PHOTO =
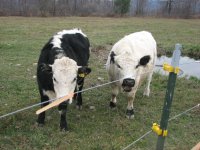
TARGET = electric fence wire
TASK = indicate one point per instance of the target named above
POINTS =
(51, 100)
(150, 131)
(97, 86)
(29, 107)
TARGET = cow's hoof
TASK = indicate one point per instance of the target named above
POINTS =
(40, 124)
(112, 105)
(64, 129)
(79, 107)
(146, 92)
(130, 114)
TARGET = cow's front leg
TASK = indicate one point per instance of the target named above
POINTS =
(79, 101)
(147, 89)
(130, 108)
(41, 116)
(63, 110)
(115, 91)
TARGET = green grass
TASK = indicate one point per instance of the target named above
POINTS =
(21, 40)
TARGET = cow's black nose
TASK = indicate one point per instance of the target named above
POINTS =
(128, 82)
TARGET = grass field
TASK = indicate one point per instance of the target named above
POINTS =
(21, 40)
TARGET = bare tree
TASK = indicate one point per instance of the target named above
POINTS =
(75, 7)
(140, 6)
(54, 7)
(63, 8)
(169, 6)
(23, 8)
(43, 7)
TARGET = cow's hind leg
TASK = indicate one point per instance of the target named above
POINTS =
(115, 91)
(63, 110)
(130, 108)
(147, 89)
(41, 116)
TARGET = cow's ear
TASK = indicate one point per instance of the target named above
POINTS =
(46, 68)
(87, 70)
(144, 60)
(112, 57)
(83, 71)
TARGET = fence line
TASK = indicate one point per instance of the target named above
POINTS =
(198, 105)
(181, 71)
(147, 133)
(150, 131)
(29, 107)
(101, 85)
(197, 61)
(91, 88)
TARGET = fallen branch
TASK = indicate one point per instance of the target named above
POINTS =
(55, 103)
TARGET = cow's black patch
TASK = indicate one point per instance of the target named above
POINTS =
(144, 61)
(112, 57)
(130, 112)
(84, 70)
(46, 68)
(112, 105)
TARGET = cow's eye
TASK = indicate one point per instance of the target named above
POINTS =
(119, 66)
(54, 79)
(137, 66)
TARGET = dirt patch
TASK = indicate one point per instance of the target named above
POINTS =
(101, 52)
(163, 52)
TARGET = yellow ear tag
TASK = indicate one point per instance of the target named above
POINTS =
(82, 75)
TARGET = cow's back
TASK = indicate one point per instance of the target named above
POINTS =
(137, 44)
(75, 46)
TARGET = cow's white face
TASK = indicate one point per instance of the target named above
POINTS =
(128, 69)
(64, 76)
(126, 66)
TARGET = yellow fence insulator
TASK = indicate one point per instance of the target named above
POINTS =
(156, 128)
(170, 68)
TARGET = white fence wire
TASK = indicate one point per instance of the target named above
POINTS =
(98, 86)
(150, 131)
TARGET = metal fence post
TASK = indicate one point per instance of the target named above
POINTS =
(168, 96)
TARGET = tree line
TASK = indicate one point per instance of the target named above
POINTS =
(45, 8)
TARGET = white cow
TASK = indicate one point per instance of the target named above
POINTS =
(130, 61)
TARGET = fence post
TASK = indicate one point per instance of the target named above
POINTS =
(168, 97)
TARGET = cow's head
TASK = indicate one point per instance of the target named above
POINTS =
(65, 74)
(127, 68)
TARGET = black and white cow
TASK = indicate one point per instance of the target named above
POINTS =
(131, 60)
(62, 67)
